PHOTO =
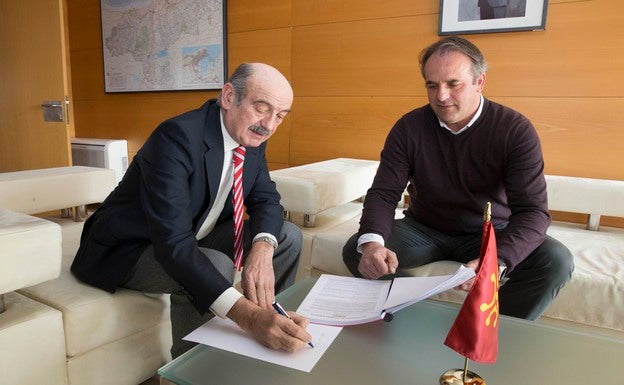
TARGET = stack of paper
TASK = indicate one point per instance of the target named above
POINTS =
(338, 300)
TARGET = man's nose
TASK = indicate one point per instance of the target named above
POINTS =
(270, 122)
(443, 93)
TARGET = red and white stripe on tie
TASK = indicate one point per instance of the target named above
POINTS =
(238, 158)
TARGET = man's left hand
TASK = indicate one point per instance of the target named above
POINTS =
(258, 278)
(466, 286)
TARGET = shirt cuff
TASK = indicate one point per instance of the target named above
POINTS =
(266, 235)
(368, 237)
(222, 305)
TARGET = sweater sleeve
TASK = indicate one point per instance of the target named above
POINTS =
(525, 187)
(388, 185)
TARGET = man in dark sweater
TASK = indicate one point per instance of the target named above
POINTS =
(458, 153)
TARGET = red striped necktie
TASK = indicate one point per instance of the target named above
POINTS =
(238, 158)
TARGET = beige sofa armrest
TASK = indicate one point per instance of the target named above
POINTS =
(595, 197)
(42, 190)
(313, 188)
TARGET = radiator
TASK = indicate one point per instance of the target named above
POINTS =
(104, 153)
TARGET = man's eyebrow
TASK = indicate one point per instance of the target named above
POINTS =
(262, 101)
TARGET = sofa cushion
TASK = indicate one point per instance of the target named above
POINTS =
(595, 294)
(326, 251)
(32, 344)
(93, 317)
(134, 357)
(31, 250)
(324, 220)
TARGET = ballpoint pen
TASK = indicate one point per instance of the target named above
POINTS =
(278, 308)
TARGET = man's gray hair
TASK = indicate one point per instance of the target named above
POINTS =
(239, 82)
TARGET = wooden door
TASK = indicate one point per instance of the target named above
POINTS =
(34, 68)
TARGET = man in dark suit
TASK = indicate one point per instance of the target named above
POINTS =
(168, 226)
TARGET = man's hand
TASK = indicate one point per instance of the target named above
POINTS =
(377, 261)
(466, 286)
(270, 328)
(258, 279)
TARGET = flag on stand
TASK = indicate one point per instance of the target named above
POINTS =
(474, 333)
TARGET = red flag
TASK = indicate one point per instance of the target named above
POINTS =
(475, 331)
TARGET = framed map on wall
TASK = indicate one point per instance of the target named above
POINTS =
(163, 45)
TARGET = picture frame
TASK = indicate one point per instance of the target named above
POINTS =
(485, 16)
(163, 46)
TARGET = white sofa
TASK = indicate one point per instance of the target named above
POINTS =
(54, 329)
(594, 298)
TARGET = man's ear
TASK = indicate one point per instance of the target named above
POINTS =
(228, 96)
(481, 82)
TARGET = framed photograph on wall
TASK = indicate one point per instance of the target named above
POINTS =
(485, 16)
(161, 45)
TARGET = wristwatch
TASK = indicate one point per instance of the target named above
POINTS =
(266, 239)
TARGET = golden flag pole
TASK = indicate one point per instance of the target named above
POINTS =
(452, 376)
(487, 215)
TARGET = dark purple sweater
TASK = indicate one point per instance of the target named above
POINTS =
(498, 160)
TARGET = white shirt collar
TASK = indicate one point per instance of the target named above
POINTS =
(470, 123)
(229, 143)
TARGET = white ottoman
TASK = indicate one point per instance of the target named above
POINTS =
(30, 251)
(320, 195)
(31, 333)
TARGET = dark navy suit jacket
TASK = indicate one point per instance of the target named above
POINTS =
(162, 200)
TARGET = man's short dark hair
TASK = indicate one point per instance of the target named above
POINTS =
(455, 44)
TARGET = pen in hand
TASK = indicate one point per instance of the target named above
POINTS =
(278, 308)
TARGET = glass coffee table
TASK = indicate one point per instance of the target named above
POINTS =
(410, 350)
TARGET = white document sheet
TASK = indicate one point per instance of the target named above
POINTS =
(225, 334)
(342, 301)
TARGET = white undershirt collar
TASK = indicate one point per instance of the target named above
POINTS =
(470, 123)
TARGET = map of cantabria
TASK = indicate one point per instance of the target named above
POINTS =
(157, 45)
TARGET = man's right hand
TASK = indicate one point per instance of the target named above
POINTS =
(377, 261)
(270, 328)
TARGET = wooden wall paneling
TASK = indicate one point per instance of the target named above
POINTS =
(88, 74)
(278, 146)
(133, 116)
(310, 12)
(258, 15)
(354, 69)
(574, 56)
(361, 58)
(350, 127)
(271, 46)
(580, 136)
(85, 24)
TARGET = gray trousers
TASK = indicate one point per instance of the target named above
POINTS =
(529, 288)
(148, 276)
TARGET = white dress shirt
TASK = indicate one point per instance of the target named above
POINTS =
(222, 305)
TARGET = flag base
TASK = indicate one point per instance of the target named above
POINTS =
(456, 377)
